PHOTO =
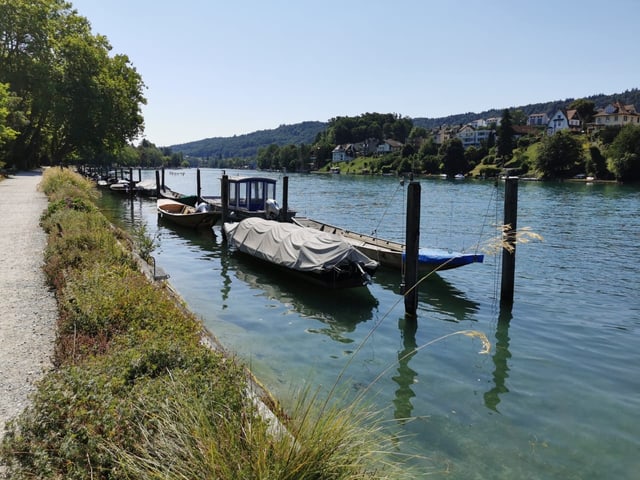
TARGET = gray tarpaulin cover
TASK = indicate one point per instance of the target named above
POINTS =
(292, 246)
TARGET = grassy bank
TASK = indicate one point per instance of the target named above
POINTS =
(136, 393)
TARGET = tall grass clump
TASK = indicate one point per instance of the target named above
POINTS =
(137, 393)
(330, 443)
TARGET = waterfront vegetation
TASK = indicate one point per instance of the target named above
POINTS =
(136, 392)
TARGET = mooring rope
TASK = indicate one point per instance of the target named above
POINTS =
(375, 230)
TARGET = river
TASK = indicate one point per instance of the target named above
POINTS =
(557, 396)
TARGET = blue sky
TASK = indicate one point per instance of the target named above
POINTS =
(222, 68)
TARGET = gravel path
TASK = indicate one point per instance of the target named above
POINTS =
(28, 310)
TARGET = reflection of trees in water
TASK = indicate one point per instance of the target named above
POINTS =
(339, 310)
(435, 292)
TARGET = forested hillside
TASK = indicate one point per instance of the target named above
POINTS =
(247, 145)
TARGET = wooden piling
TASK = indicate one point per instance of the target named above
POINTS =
(412, 246)
(284, 214)
(198, 185)
(158, 184)
(509, 238)
(163, 184)
(224, 197)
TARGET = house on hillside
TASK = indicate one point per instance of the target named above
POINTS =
(478, 123)
(366, 148)
(564, 120)
(473, 137)
(388, 146)
(343, 153)
(522, 130)
(538, 120)
(616, 114)
(443, 134)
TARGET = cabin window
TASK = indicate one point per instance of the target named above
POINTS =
(233, 194)
(256, 192)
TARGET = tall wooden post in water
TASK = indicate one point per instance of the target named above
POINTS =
(158, 186)
(413, 245)
(198, 185)
(284, 214)
(509, 237)
(131, 184)
(224, 197)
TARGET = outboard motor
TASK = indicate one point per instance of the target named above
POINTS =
(272, 209)
(203, 207)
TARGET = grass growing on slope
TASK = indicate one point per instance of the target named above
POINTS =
(136, 393)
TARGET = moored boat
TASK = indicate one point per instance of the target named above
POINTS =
(320, 257)
(391, 254)
(200, 216)
(247, 196)
(167, 193)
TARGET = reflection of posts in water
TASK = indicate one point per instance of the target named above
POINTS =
(406, 375)
(224, 271)
(500, 358)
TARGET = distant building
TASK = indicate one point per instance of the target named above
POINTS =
(522, 130)
(473, 137)
(495, 121)
(388, 146)
(616, 114)
(478, 123)
(443, 134)
(366, 148)
(538, 120)
(564, 120)
(343, 153)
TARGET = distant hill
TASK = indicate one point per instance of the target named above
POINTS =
(246, 146)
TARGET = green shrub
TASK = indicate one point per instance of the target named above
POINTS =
(81, 414)
(137, 395)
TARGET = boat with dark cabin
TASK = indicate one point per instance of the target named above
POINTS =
(248, 197)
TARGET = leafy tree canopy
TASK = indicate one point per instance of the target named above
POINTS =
(586, 109)
(6, 132)
(379, 126)
(505, 136)
(77, 98)
(560, 155)
(624, 154)
(453, 158)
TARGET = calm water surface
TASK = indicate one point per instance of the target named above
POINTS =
(557, 397)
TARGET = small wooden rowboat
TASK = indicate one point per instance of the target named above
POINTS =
(391, 254)
(200, 216)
